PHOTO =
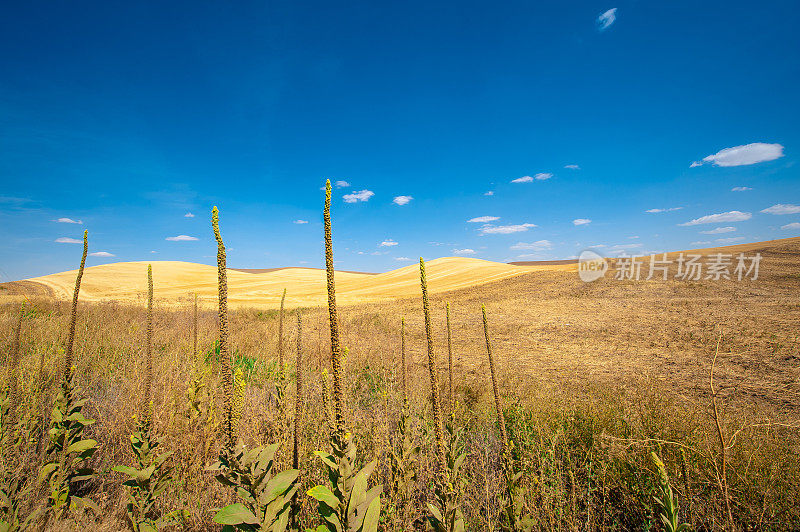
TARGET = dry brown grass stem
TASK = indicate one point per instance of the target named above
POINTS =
(403, 361)
(298, 404)
(225, 361)
(194, 329)
(437, 408)
(336, 357)
(14, 359)
(498, 407)
(450, 399)
(722, 475)
(281, 366)
(148, 380)
(68, 358)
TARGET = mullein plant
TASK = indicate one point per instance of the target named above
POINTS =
(665, 499)
(152, 474)
(450, 398)
(266, 494)
(280, 376)
(513, 517)
(445, 513)
(404, 452)
(298, 414)
(345, 504)
(68, 452)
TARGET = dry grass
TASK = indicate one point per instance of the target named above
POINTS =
(593, 377)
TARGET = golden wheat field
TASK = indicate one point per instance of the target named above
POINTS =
(590, 379)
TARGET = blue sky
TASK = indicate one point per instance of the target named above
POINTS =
(127, 117)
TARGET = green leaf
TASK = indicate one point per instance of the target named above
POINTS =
(130, 471)
(323, 494)
(280, 483)
(372, 516)
(80, 446)
(236, 514)
(47, 470)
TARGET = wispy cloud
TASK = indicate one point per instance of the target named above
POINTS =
(505, 229)
(402, 200)
(539, 245)
(388, 243)
(342, 184)
(542, 176)
(483, 219)
(298, 222)
(102, 254)
(620, 247)
(572, 167)
(465, 251)
(402, 259)
(68, 240)
(730, 240)
(700, 243)
(719, 230)
(740, 189)
(361, 195)
(489, 193)
(68, 221)
(756, 152)
(181, 238)
(730, 216)
(605, 20)
(188, 215)
(581, 221)
(782, 208)
(669, 209)
(791, 227)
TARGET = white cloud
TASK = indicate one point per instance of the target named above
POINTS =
(626, 246)
(605, 20)
(402, 259)
(402, 200)
(188, 215)
(361, 195)
(102, 254)
(505, 229)
(730, 240)
(298, 222)
(489, 193)
(67, 240)
(695, 164)
(539, 245)
(69, 221)
(791, 226)
(342, 184)
(700, 243)
(483, 219)
(572, 167)
(782, 208)
(719, 230)
(731, 216)
(154, 252)
(541, 176)
(465, 251)
(581, 221)
(669, 209)
(756, 152)
(388, 243)
(181, 238)
(740, 189)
